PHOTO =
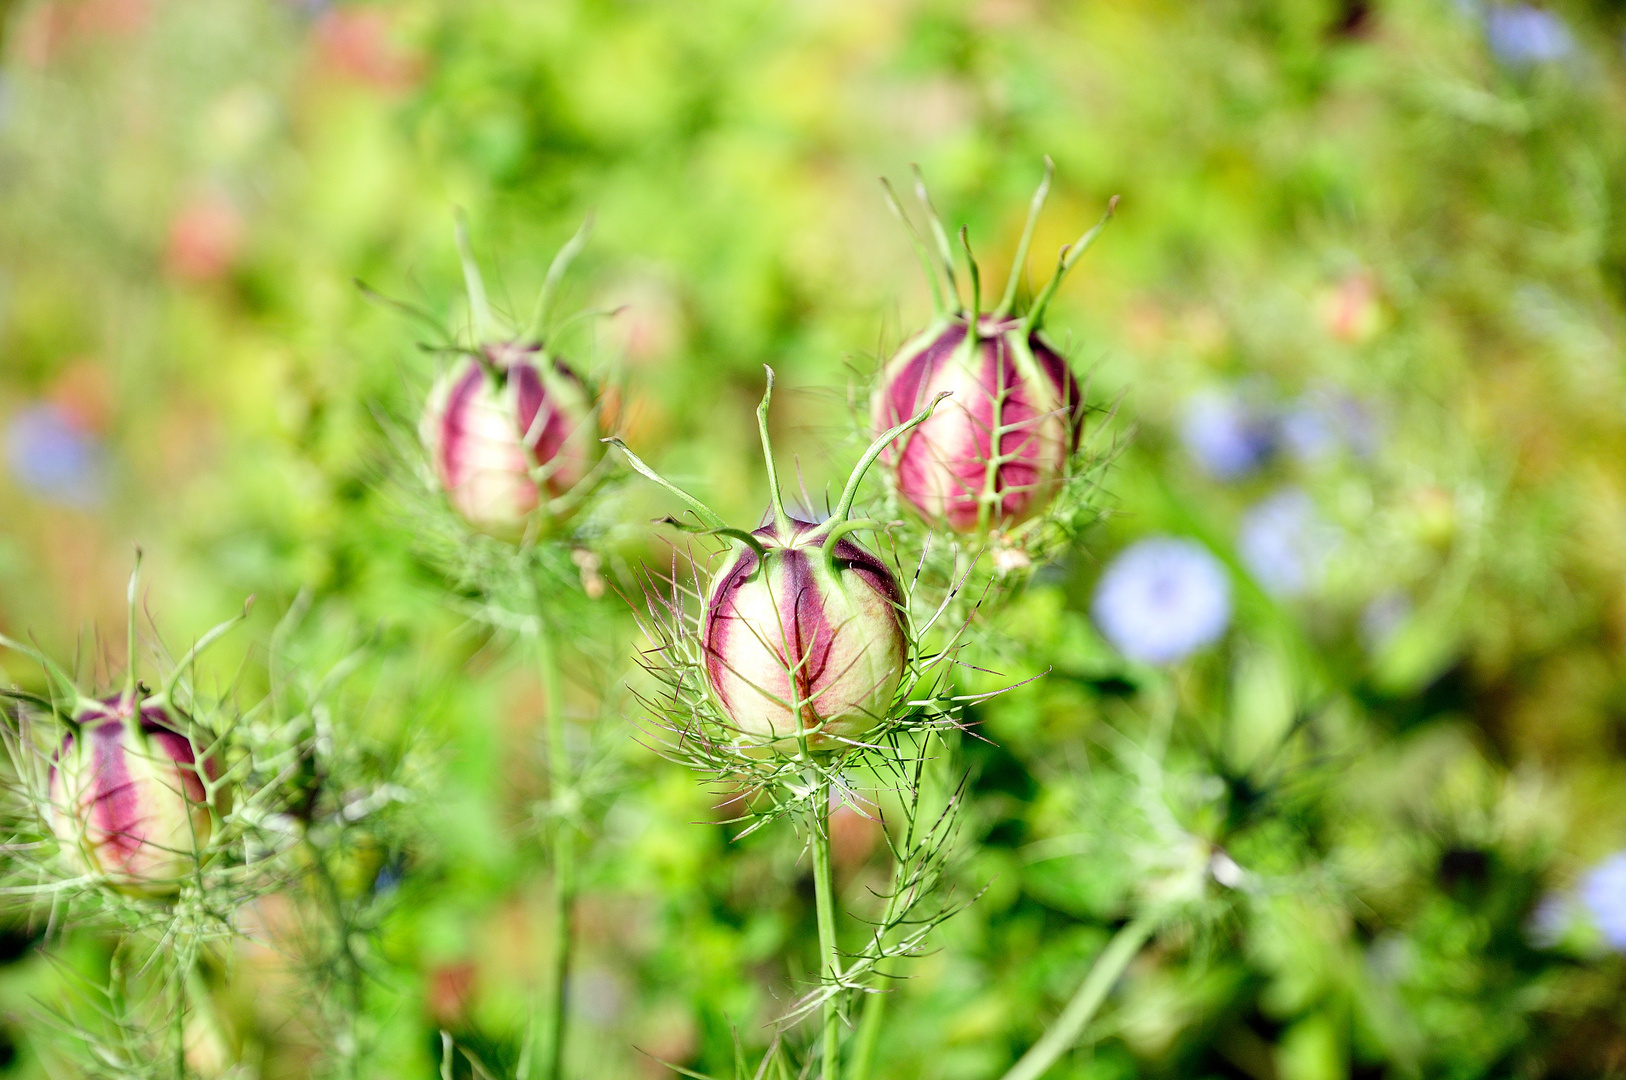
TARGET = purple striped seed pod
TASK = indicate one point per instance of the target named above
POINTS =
(996, 451)
(798, 633)
(505, 435)
(136, 814)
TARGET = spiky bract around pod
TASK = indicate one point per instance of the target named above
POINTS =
(505, 435)
(131, 807)
(996, 452)
(795, 636)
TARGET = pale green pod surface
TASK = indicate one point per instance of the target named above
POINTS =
(795, 638)
(499, 446)
(136, 814)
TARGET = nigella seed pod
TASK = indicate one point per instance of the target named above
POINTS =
(511, 431)
(996, 451)
(131, 807)
(801, 635)
(508, 431)
(805, 637)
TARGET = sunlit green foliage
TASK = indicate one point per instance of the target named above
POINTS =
(1362, 815)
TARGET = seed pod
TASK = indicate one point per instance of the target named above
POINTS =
(137, 814)
(793, 635)
(804, 639)
(505, 434)
(995, 453)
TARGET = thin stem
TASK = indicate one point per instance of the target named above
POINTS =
(479, 306)
(411, 311)
(60, 682)
(919, 246)
(845, 527)
(128, 698)
(349, 1041)
(178, 1005)
(781, 520)
(875, 1004)
(552, 1036)
(741, 535)
(550, 284)
(976, 279)
(869, 1034)
(185, 663)
(1020, 263)
(708, 517)
(850, 493)
(1069, 255)
(938, 234)
(991, 500)
(194, 990)
(824, 901)
(1064, 1033)
(869, 1026)
(527, 1048)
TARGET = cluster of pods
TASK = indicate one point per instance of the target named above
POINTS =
(805, 637)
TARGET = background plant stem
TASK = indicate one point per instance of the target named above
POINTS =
(869, 1026)
(552, 1040)
(869, 1033)
(1064, 1033)
(345, 955)
(824, 899)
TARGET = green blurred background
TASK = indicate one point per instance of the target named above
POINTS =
(1400, 221)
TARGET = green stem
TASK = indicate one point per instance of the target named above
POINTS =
(844, 508)
(869, 1034)
(178, 1000)
(479, 306)
(938, 234)
(1020, 262)
(184, 664)
(552, 1037)
(870, 1024)
(350, 1040)
(1069, 255)
(127, 698)
(991, 500)
(130, 642)
(781, 520)
(534, 330)
(64, 694)
(824, 900)
(708, 517)
(203, 1008)
(1064, 1033)
(938, 306)
(976, 280)
(843, 528)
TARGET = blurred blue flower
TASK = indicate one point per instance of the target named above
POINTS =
(597, 994)
(1285, 543)
(1309, 433)
(1603, 891)
(388, 879)
(1383, 615)
(1550, 921)
(1323, 421)
(1226, 435)
(54, 457)
(1162, 599)
(1523, 34)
